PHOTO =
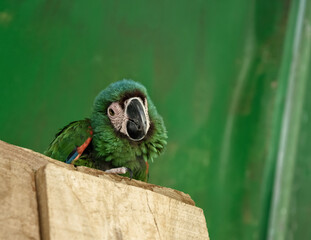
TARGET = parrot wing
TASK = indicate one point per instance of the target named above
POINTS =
(71, 141)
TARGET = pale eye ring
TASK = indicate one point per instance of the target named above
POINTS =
(111, 112)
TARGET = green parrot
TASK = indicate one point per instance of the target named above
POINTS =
(123, 133)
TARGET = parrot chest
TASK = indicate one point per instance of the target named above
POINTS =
(137, 165)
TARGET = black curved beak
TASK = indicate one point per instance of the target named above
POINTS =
(137, 125)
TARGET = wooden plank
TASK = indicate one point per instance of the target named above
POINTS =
(78, 205)
(18, 200)
(18, 203)
(19, 211)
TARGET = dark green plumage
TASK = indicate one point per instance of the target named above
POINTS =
(111, 145)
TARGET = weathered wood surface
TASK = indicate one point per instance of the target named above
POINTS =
(172, 193)
(18, 204)
(85, 203)
(78, 205)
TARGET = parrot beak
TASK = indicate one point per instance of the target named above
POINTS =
(137, 124)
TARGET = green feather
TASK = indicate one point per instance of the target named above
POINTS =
(143, 149)
(152, 148)
(68, 138)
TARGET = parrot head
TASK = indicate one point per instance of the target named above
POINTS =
(130, 116)
(126, 124)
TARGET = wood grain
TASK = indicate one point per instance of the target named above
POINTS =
(78, 205)
(40, 195)
(18, 203)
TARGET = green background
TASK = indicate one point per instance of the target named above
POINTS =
(230, 79)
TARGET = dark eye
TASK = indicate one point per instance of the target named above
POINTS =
(111, 112)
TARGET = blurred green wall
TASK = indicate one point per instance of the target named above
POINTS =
(229, 78)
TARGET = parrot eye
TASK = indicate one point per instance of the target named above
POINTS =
(111, 112)
(116, 115)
